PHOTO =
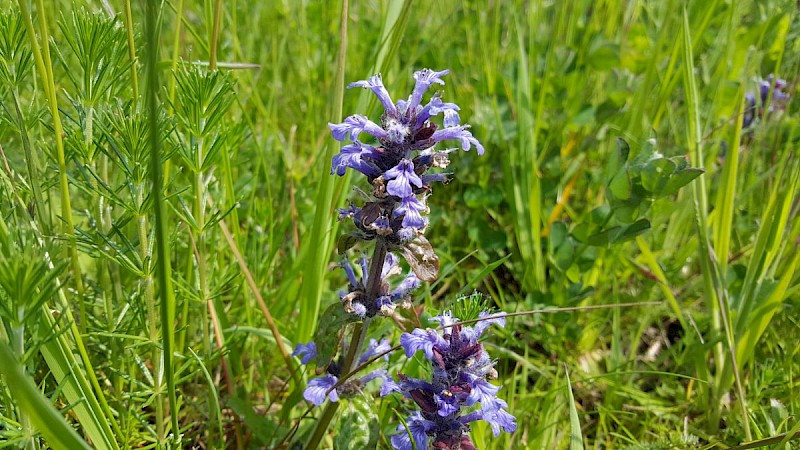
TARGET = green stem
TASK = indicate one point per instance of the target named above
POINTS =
(18, 345)
(45, 68)
(131, 48)
(152, 319)
(163, 269)
(356, 341)
(32, 162)
(212, 61)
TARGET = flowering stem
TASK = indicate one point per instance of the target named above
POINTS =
(356, 340)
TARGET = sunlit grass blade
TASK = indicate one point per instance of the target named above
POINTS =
(76, 389)
(58, 434)
(575, 435)
(163, 269)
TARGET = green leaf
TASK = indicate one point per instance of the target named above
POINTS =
(575, 434)
(619, 157)
(604, 237)
(558, 232)
(603, 55)
(358, 426)
(681, 179)
(633, 230)
(656, 173)
(620, 185)
(329, 334)
(565, 254)
(47, 420)
(345, 242)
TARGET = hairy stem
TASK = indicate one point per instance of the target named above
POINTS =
(356, 340)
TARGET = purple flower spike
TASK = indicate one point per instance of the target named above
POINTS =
(306, 351)
(375, 84)
(397, 164)
(459, 382)
(402, 176)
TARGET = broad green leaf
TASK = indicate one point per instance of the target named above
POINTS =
(620, 185)
(681, 179)
(329, 334)
(358, 427)
(558, 232)
(633, 230)
(565, 254)
(656, 173)
(605, 237)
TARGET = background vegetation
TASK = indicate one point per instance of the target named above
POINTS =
(551, 216)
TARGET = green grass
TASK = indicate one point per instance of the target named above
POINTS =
(163, 317)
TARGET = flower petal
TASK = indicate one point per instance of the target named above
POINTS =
(424, 340)
(318, 388)
(375, 83)
(306, 351)
(425, 78)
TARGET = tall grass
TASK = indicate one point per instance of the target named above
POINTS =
(165, 184)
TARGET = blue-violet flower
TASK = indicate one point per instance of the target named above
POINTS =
(396, 165)
(461, 371)
(321, 387)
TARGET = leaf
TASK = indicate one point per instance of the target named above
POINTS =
(46, 418)
(620, 185)
(358, 427)
(422, 259)
(329, 334)
(633, 230)
(604, 237)
(603, 55)
(345, 242)
(619, 157)
(681, 179)
(565, 254)
(558, 232)
(656, 173)
(575, 434)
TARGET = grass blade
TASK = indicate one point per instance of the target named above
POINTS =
(56, 431)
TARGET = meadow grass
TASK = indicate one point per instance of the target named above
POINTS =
(168, 228)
